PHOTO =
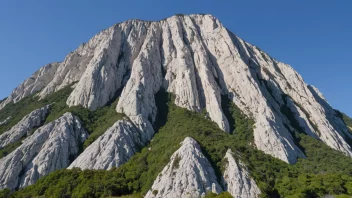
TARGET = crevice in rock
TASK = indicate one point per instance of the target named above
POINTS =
(162, 55)
(225, 105)
(290, 115)
(161, 102)
(125, 76)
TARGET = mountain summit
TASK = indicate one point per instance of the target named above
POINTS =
(203, 66)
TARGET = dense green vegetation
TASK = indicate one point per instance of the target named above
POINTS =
(324, 171)
(5, 193)
(96, 122)
(221, 195)
(240, 125)
(26, 105)
(347, 120)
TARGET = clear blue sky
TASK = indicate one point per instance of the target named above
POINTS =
(314, 36)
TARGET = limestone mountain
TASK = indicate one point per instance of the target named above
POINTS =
(107, 103)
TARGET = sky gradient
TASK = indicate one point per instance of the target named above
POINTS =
(313, 36)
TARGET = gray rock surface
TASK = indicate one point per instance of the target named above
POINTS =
(236, 179)
(115, 147)
(25, 126)
(188, 174)
(49, 148)
(197, 59)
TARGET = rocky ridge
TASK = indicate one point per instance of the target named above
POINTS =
(50, 147)
(115, 147)
(188, 174)
(198, 60)
(236, 179)
(24, 127)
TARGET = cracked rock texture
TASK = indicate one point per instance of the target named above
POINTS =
(115, 147)
(49, 148)
(198, 60)
(24, 127)
(188, 174)
(236, 179)
(5, 121)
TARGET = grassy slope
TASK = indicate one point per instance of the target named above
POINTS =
(324, 171)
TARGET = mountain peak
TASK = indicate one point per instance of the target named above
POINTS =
(199, 61)
(207, 70)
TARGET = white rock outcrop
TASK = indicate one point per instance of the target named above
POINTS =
(115, 147)
(33, 84)
(75, 64)
(25, 126)
(236, 179)
(188, 174)
(198, 60)
(5, 121)
(49, 148)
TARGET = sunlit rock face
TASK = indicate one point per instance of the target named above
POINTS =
(198, 60)
(115, 147)
(33, 84)
(25, 126)
(236, 179)
(188, 174)
(49, 148)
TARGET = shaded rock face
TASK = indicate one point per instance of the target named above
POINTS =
(188, 174)
(236, 179)
(197, 59)
(24, 127)
(5, 121)
(49, 148)
(115, 147)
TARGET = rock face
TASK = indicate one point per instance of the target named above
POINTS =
(197, 59)
(49, 148)
(5, 121)
(24, 127)
(236, 179)
(115, 147)
(33, 84)
(188, 174)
